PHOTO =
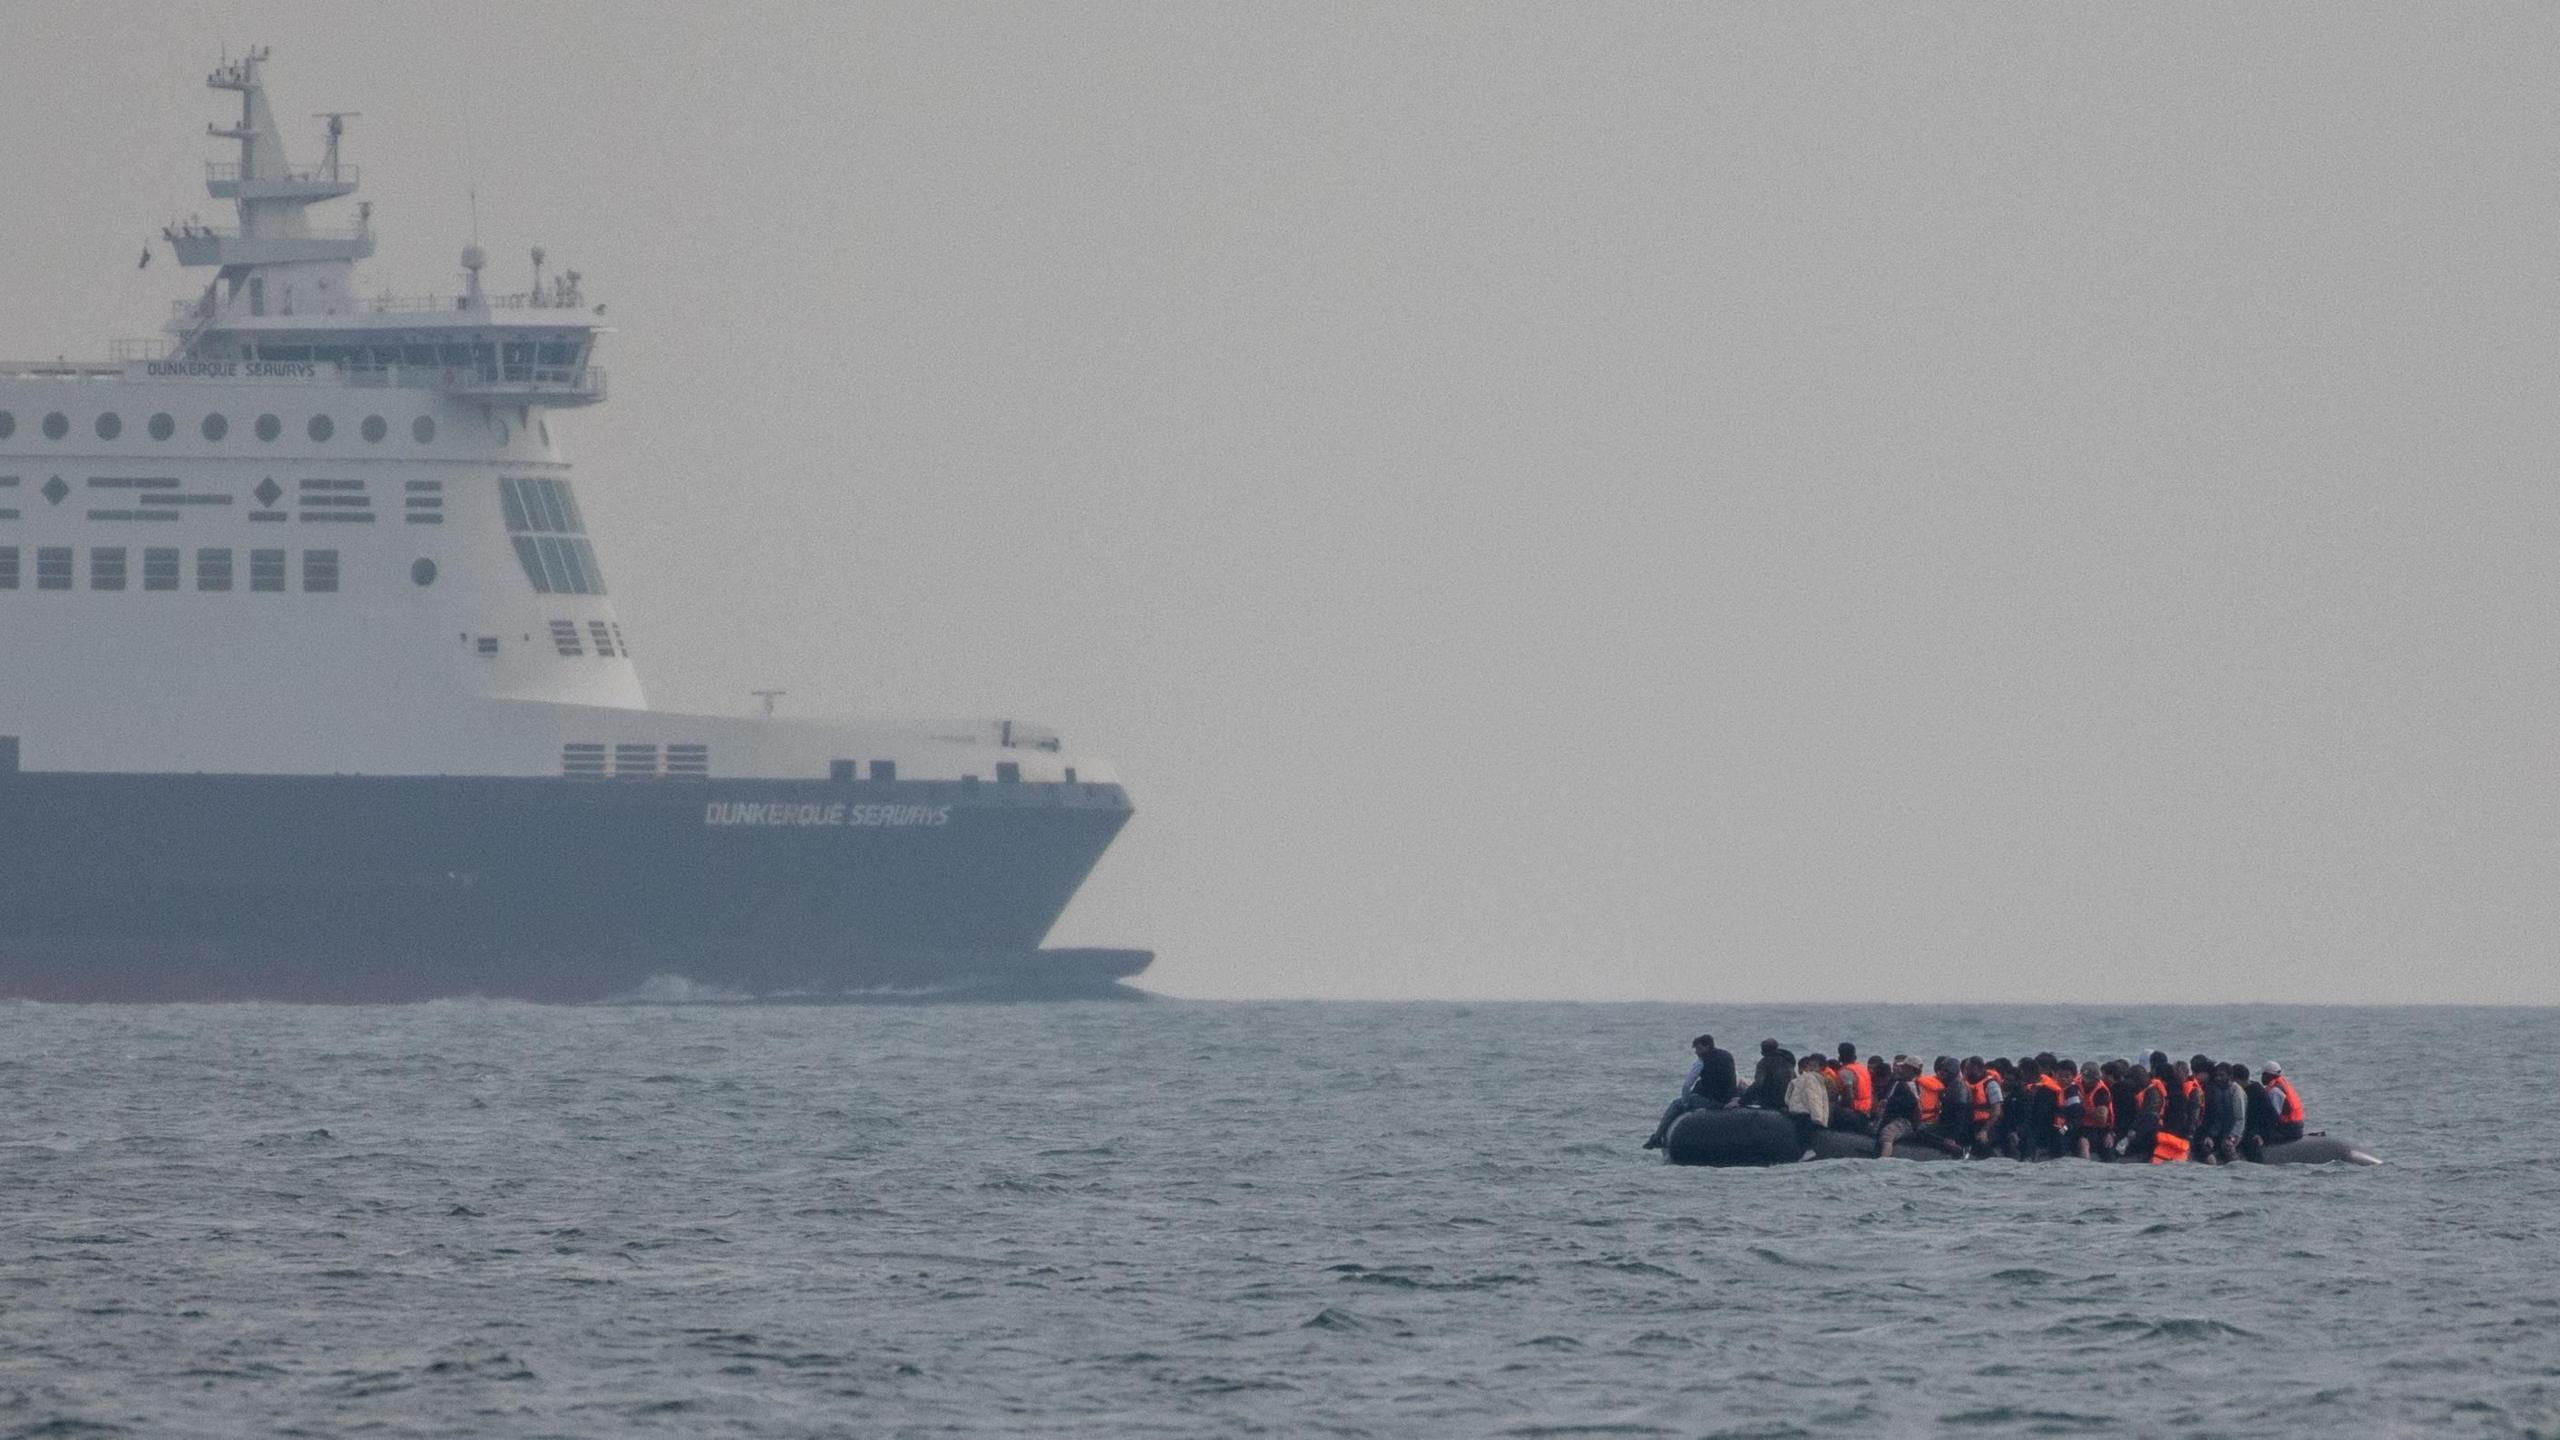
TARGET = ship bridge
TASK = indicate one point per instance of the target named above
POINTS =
(285, 292)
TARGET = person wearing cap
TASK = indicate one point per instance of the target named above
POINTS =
(2290, 1117)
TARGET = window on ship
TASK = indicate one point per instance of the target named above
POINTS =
(543, 520)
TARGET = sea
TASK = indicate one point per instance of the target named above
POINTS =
(1205, 1219)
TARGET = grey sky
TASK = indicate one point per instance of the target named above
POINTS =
(1805, 502)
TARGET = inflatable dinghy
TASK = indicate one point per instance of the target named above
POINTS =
(1751, 1138)
(2319, 1150)
(1732, 1137)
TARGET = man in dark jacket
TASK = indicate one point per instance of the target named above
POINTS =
(1709, 1086)
(1769, 1083)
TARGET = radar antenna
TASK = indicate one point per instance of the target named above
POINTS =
(337, 126)
(768, 697)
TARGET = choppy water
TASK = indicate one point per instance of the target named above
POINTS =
(1192, 1219)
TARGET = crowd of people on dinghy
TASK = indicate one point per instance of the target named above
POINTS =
(2043, 1107)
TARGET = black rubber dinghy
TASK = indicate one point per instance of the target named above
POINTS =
(1752, 1138)
(1834, 1145)
(1732, 1137)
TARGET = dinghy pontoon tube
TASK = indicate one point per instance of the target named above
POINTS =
(1733, 1138)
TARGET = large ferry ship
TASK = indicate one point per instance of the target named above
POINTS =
(311, 686)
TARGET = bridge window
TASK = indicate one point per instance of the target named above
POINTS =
(564, 638)
(542, 518)
(213, 569)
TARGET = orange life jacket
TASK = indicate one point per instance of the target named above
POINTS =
(1977, 1093)
(1855, 1091)
(1931, 1089)
(2289, 1109)
(2168, 1147)
(2150, 1088)
(2055, 1088)
(2098, 1108)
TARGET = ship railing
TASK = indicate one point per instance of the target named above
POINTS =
(339, 174)
(193, 231)
(583, 382)
(412, 304)
(150, 347)
(63, 369)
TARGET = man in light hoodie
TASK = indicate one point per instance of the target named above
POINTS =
(1808, 1099)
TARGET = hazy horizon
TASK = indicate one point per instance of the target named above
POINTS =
(1724, 504)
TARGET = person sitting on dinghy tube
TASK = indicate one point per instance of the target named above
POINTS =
(1710, 1086)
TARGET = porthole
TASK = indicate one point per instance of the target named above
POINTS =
(423, 428)
(162, 427)
(110, 425)
(269, 427)
(375, 429)
(56, 425)
(215, 427)
(322, 427)
(8, 424)
(423, 572)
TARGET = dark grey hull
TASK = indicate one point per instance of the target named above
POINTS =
(357, 888)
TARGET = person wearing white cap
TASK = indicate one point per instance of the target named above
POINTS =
(2290, 1117)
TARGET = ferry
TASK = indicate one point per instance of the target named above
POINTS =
(315, 689)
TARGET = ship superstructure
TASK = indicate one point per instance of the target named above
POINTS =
(317, 689)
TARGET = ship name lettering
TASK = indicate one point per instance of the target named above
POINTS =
(831, 816)
(215, 369)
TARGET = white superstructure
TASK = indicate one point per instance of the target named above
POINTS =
(318, 531)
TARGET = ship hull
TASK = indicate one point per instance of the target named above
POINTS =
(143, 887)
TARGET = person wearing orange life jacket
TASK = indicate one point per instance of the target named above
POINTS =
(1933, 1093)
(2154, 1093)
(2151, 1136)
(1856, 1112)
(2189, 1109)
(2045, 1119)
(2291, 1117)
(1906, 1099)
(1960, 1118)
(2097, 1115)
